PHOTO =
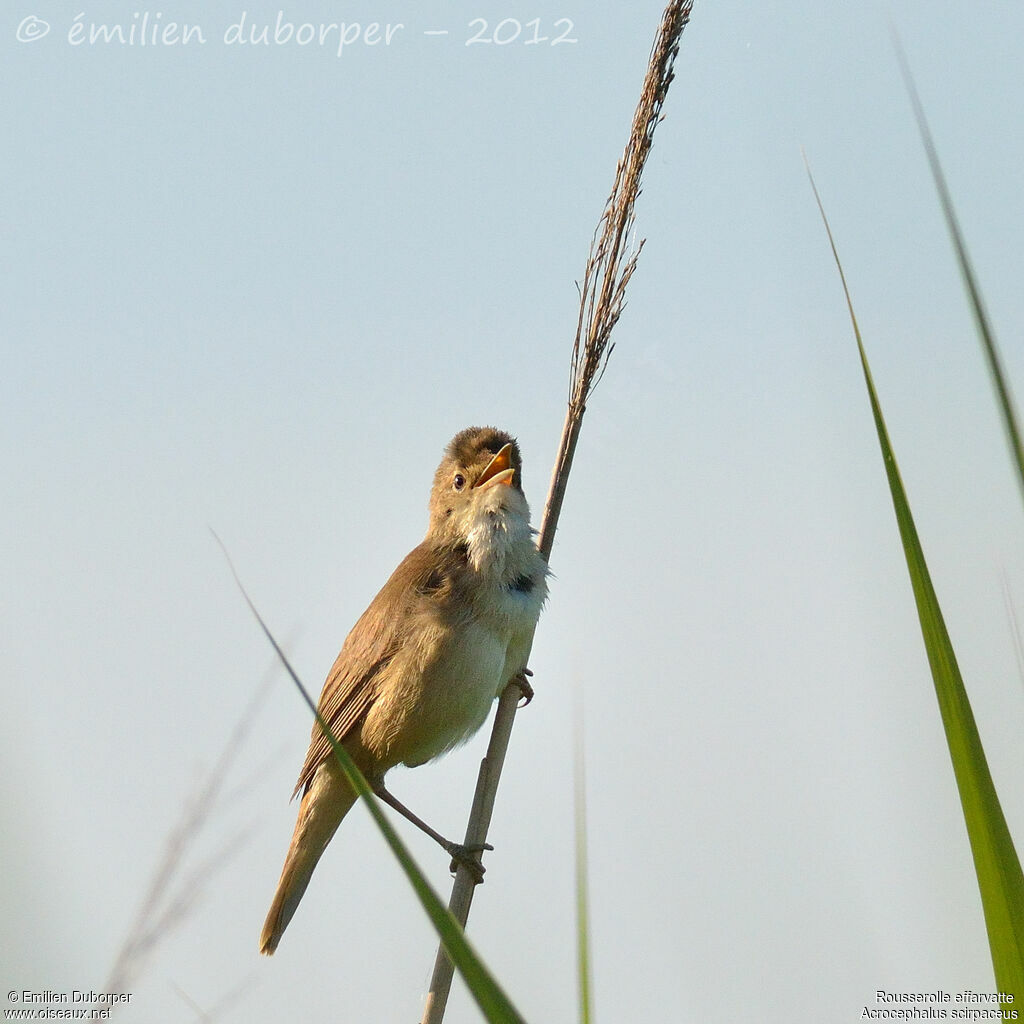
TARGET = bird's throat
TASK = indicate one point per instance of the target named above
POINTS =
(499, 544)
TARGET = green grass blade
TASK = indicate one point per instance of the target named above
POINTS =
(583, 962)
(985, 332)
(995, 859)
(496, 1006)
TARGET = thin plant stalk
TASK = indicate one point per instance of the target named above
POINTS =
(610, 264)
(173, 893)
(584, 967)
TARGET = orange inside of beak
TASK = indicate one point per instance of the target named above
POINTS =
(499, 470)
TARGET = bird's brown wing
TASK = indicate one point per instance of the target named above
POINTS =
(426, 574)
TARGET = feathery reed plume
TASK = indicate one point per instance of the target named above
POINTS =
(610, 264)
(172, 893)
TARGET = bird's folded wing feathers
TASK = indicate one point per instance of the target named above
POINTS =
(425, 575)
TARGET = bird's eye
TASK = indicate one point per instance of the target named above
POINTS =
(458, 482)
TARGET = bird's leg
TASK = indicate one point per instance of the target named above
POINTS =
(520, 680)
(469, 856)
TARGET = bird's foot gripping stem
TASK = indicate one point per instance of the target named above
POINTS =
(467, 855)
(520, 679)
(469, 858)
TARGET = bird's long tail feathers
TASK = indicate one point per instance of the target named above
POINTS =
(328, 799)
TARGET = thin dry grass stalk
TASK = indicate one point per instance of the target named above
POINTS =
(610, 264)
(173, 893)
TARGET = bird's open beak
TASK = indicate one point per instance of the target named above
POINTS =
(499, 470)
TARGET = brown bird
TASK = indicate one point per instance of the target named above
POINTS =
(419, 671)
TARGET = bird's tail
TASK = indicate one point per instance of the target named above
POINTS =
(327, 800)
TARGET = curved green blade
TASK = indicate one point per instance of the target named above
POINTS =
(995, 858)
(986, 333)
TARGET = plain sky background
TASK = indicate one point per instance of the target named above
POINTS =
(257, 289)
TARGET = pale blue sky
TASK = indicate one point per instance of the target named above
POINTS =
(259, 289)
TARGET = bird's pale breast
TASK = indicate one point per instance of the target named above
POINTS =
(439, 689)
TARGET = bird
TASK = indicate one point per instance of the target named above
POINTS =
(417, 674)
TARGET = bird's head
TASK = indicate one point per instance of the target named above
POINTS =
(477, 485)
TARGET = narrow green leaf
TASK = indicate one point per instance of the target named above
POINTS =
(995, 859)
(583, 964)
(986, 334)
(496, 1006)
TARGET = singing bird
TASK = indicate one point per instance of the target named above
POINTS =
(419, 671)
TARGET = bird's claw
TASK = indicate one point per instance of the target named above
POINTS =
(468, 855)
(524, 686)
